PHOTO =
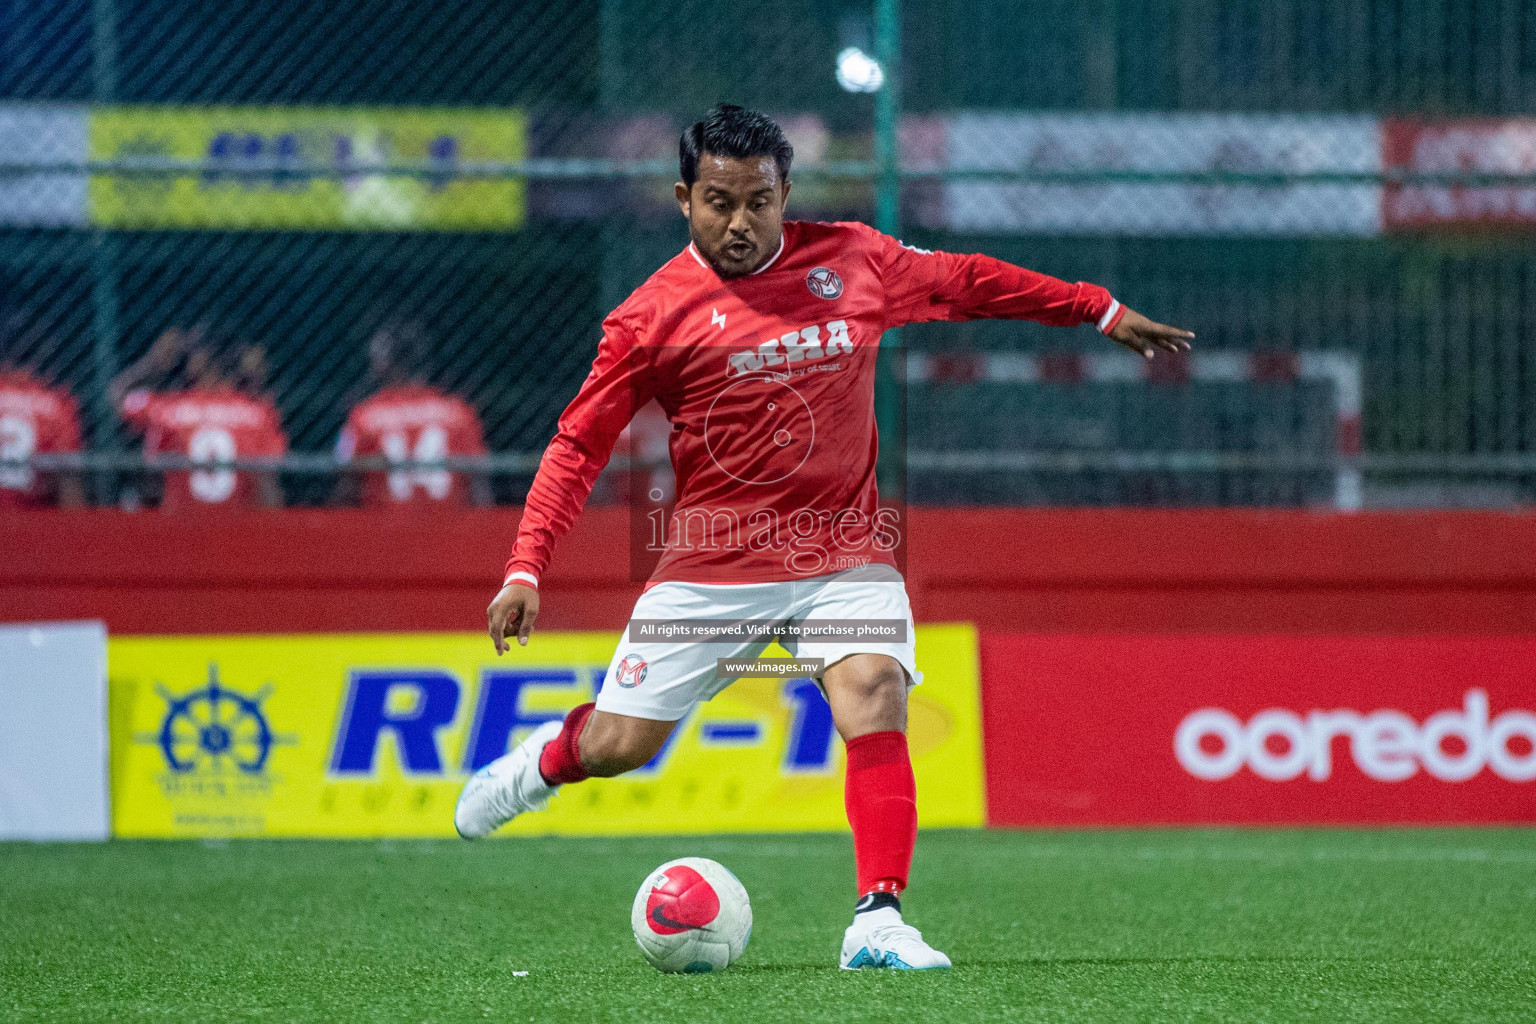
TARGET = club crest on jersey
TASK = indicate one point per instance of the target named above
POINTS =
(631, 671)
(824, 283)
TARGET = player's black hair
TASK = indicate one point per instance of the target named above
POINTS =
(733, 132)
(410, 346)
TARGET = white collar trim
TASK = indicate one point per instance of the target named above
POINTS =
(774, 259)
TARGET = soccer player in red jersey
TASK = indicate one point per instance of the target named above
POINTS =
(408, 420)
(217, 416)
(759, 341)
(36, 419)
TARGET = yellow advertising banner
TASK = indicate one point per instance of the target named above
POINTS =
(307, 168)
(375, 734)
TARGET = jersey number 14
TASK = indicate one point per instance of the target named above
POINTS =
(431, 446)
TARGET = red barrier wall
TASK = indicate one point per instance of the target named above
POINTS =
(1005, 569)
(1117, 729)
(1079, 729)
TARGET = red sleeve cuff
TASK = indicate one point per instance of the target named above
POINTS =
(516, 574)
(1111, 318)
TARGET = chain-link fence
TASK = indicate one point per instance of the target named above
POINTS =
(307, 203)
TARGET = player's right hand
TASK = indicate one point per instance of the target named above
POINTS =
(1147, 337)
(515, 608)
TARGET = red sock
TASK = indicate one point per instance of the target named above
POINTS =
(881, 797)
(560, 762)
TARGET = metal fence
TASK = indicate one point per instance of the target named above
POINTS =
(1299, 181)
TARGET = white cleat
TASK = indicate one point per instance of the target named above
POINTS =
(505, 788)
(879, 938)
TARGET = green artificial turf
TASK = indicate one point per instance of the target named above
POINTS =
(1432, 925)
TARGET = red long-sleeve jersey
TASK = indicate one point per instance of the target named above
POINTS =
(768, 381)
(207, 425)
(405, 422)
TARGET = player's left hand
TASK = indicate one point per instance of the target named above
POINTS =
(514, 608)
(1148, 337)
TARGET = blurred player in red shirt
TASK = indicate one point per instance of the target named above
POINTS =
(407, 420)
(36, 419)
(217, 415)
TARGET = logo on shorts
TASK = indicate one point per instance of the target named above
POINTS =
(824, 283)
(631, 671)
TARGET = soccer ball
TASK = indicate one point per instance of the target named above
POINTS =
(691, 916)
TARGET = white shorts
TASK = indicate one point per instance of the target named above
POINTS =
(663, 679)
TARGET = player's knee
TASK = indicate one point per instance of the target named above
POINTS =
(877, 681)
(868, 695)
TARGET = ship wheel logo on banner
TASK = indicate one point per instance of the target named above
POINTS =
(216, 729)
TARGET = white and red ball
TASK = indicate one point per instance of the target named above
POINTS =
(691, 916)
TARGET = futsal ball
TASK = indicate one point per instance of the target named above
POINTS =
(691, 916)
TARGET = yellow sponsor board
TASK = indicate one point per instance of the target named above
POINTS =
(375, 734)
(307, 168)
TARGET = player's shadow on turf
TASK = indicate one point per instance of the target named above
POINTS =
(819, 965)
(1064, 961)
(1138, 961)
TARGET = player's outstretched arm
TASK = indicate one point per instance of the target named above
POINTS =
(1148, 337)
(515, 607)
(921, 285)
(618, 385)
